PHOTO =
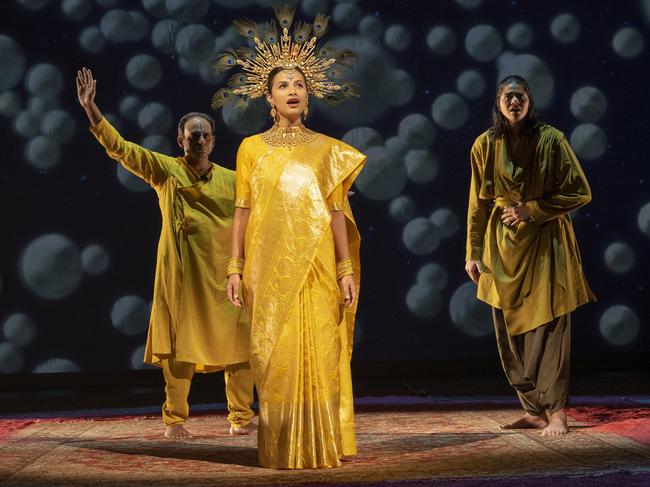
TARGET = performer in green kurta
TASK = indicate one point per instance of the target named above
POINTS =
(522, 252)
(193, 326)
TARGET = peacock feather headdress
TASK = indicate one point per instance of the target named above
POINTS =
(297, 50)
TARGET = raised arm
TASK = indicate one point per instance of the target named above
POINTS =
(144, 163)
(86, 90)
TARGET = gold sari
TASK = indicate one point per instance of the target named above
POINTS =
(301, 338)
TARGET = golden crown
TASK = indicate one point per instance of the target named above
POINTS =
(287, 51)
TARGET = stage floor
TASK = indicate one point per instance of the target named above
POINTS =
(400, 439)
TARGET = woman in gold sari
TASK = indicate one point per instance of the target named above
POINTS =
(522, 252)
(293, 224)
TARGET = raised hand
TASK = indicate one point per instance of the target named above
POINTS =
(86, 87)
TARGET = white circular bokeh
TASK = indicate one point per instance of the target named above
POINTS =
(450, 111)
(130, 106)
(383, 177)
(11, 358)
(155, 118)
(565, 28)
(397, 37)
(588, 104)
(619, 325)
(163, 36)
(588, 141)
(346, 15)
(520, 35)
(143, 71)
(619, 257)
(471, 84)
(421, 236)
(643, 219)
(417, 131)
(59, 125)
(434, 275)
(628, 42)
(246, 121)
(19, 329)
(56, 365)
(402, 209)
(130, 315)
(187, 11)
(76, 10)
(42, 152)
(195, 43)
(421, 165)
(44, 80)
(446, 220)
(361, 138)
(130, 181)
(423, 300)
(12, 63)
(396, 87)
(95, 259)
(441, 40)
(483, 43)
(11, 104)
(50, 266)
(471, 316)
(371, 27)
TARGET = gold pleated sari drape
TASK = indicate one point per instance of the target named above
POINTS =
(301, 338)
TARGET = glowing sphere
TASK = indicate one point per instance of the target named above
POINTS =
(363, 137)
(619, 325)
(565, 28)
(483, 43)
(446, 220)
(471, 84)
(396, 87)
(76, 9)
(441, 40)
(423, 301)
(383, 177)
(434, 275)
(520, 35)
(19, 329)
(371, 27)
(95, 259)
(157, 8)
(397, 145)
(157, 143)
(195, 42)
(130, 181)
(11, 358)
(417, 131)
(535, 71)
(346, 15)
(92, 40)
(137, 357)
(44, 80)
(58, 125)
(644, 219)
(50, 267)
(26, 124)
(39, 106)
(628, 42)
(116, 26)
(450, 111)
(10, 104)
(163, 36)
(56, 366)
(619, 257)
(588, 104)
(42, 152)
(308, 7)
(246, 121)
(187, 11)
(130, 107)
(12, 63)
(421, 165)
(588, 141)
(130, 315)
(470, 315)
(155, 118)
(143, 71)
(397, 37)
(402, 209)
(421, 236)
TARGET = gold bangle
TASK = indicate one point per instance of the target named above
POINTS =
(344, 268)
(235, 266)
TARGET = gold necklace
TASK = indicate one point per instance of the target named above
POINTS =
(288, 136)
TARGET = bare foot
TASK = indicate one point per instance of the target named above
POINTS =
(245, 430)
(527, 421)
(558, 425)
(177, 432)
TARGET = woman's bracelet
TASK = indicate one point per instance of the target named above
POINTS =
(344, 268)
(235, 266)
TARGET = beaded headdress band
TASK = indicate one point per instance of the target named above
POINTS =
(297, 51)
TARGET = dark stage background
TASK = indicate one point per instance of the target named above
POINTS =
(79, 235)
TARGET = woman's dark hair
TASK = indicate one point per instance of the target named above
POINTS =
(187, 116)
(500, 124)
(279, 69)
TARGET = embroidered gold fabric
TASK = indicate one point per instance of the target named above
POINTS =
(288, 136)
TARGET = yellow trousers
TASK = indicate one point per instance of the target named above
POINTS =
(178, 378)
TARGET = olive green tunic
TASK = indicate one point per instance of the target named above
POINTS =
(532, 271)
(191, 317)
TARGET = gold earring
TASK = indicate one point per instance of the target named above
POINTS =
(274, 113)
(306, 112)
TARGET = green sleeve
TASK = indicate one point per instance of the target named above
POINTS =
(477, 211)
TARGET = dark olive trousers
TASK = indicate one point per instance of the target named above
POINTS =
(536, 363)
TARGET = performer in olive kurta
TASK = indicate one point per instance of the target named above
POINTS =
(522, 252)
(294, 227)
(193, 326)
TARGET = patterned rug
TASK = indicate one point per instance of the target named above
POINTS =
(416, 447)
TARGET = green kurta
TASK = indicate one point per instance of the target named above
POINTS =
(191, 318)
(532, 271)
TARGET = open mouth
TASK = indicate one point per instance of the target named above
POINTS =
(293, 102)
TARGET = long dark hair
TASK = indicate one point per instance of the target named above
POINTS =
(279, 69)
(500, 124)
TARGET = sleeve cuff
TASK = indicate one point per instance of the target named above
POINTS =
(336, 206)
(242, 203)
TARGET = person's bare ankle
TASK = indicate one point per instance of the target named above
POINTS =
(528, 421)
(558, 424)
(177, 432)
